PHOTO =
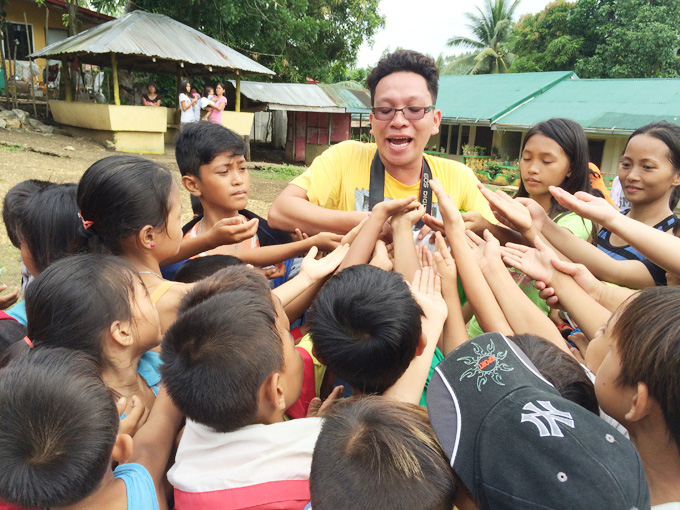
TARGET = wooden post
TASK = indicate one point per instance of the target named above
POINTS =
(66, 72)
(329, 126)
(114, 73)
(16, 45)
(4, 67)
(47, 66)
(30, 65)
(237, 103)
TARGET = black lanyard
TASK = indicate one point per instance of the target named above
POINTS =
(376, 190)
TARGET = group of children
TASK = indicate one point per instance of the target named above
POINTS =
(123, 389)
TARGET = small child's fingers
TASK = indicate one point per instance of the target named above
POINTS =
(121, 404)
(415, 283)
(577, 354)
(478, 241)
(313, 409)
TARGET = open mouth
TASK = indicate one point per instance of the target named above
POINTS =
(399, 142)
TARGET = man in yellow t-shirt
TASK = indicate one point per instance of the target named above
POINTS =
(333, 194)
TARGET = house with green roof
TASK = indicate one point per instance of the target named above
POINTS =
(608, 110)
(470, 105)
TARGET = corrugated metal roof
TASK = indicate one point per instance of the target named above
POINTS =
(602, 105)
(290, 96)
(481, 98)
(352, 100)
(140, 36)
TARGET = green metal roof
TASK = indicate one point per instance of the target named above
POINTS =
(602, 105)
(352, 100)
(482, 98)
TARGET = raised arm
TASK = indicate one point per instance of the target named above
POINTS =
(656, 245)
(292, 209)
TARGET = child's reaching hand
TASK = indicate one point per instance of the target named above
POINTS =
(446, 266)
(449, 212)
(487, 250)
(508, 211)
(381, 256)
(387, 208)
(136, 415)
(408, 216)
(534, 262)
(316, 269)
(231, 231)
(326, 241)
(586, 205)
(427, 289)
(424, 256)
(350, 236)
(317, 408)
(298, 235)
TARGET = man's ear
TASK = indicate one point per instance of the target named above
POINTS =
(642, 404)
(422, 343)
(121, 332)
(192, 184)
(122, 448)
(437, 121)
(370, 119)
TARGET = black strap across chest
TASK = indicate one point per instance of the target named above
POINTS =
(376, 189)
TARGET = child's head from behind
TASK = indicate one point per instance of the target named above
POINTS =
(201, 267)
(374, 452)
(229, 361)
(644, 359)
(560, 369)
(650, 164)
(213, 166)
(49, 226)
(15, 206)
(366, 327)
(93, 304)
(555, 153)
(130, 203)
(58, 429)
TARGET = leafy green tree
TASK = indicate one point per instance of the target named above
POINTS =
(491, 28)
(601, 39)
(294, 38)
(547, 41)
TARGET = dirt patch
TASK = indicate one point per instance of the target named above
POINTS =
(59, 158)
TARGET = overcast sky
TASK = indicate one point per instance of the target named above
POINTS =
(426, 25)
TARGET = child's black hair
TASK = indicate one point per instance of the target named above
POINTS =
(73, 303)
(120, 195)
(50, 224)
(15, 206)
(196, 205)
(201, 267)
(560, 369)
(225, 280)
(11, 332)
(200, 142)
(217, 355)
(365, 325)
(374, 452)
(58, 427)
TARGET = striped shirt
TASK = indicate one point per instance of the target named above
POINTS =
(627, 252)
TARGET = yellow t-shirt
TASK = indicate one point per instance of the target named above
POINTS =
(339, 179)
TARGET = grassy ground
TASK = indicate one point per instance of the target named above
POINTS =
(64, 159)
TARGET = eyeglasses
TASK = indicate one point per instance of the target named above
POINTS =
(409, 112)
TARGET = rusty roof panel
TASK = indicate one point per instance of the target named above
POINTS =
(148, 35)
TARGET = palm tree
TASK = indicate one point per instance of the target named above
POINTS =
(491, 28)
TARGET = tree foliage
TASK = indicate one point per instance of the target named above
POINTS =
(294, 38)
(491, 28)
(601, 39)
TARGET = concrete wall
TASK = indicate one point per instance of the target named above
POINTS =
(137, 129)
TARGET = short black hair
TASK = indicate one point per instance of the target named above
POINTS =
(200, 142)
(50, 224)
(374, 452)
(11, 332)
(201, 267)
(217, 355)
(58, 427)
(73, 303)
(365, 325)
(560, 369)
(409, 61)
(15, 206)
(225, 280)
(120, 195)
